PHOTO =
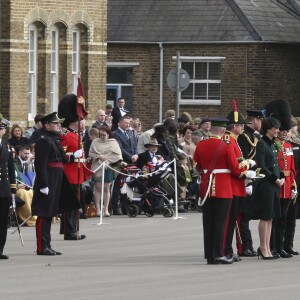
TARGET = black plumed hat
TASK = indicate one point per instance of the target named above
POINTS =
(282, 109)
(67, 109)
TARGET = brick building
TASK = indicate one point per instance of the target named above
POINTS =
(43, 46)
(233, 49)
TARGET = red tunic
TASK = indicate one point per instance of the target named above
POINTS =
(287, 167)
(221, 183)
(69, 141)
(237, 184)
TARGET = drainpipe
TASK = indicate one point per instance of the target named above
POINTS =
(161, 81)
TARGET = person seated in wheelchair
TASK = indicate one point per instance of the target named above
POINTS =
(24, 168)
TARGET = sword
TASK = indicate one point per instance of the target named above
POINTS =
(21, 224)
(15, 213)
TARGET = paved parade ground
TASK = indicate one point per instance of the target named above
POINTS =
(140, 258)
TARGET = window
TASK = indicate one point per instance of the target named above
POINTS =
(119, 84)
(205, 80)
(75, 59)
(32, 71)
(54, 68)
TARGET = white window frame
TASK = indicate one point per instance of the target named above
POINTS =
(75, 58)
(194, 59)
(54, 86)
(32, 70)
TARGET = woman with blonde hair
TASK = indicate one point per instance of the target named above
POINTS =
(16, 137)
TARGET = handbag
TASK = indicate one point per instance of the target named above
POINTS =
(90, 210)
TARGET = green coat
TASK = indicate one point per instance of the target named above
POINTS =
(265, 201)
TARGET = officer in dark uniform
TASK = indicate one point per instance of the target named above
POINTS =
(49, 157)
(247, 142)
(7, 183)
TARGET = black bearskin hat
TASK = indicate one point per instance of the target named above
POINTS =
(67, 109)
(282, 109)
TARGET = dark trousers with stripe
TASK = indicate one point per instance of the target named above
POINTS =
(43, 236)
(215, 212)
(231, 223)
(4, 209)
(290, 226)
(69, 223)
(278, 227)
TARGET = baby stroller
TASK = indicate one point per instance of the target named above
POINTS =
(144, 193)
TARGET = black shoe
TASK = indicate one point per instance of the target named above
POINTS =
(275, 254)
(291, 251)
(223, 260)
(74, 237)
(46, 251)
(2, 256)
(56, 252)
(235, 257)
(117, 212)
(209, 261)
(249, 253)
(284, 254)
(83, 216)
(260, 254)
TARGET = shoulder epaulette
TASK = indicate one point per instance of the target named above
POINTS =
(226, 138)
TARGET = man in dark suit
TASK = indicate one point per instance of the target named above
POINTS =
(130, 155)
(7, 184)
(118, 112)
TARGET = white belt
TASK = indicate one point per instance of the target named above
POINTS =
(214, 171)
(218, 171)
(79, 160)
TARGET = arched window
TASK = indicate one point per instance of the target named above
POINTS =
(32, 71)
(75, 58)
(79, 44)
(54, 86)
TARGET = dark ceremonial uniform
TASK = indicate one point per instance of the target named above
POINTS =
(238, 191)
(69, 198)
(293, 207)
(7, 188)
(247, 142)
(287, 168)
(49, 157)
(215, 160)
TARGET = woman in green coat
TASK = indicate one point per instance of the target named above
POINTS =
(265, 204)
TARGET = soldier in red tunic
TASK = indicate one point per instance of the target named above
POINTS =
(288, 191)
(73, 169)
(216, 162)
(234, 128)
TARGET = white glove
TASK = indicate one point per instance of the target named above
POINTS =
(78, 153)
(249, 190)
(250, 174)
(294, 194)
(45, 191)
(252, 163)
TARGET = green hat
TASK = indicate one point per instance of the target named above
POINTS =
(218, 122)
(51, 118)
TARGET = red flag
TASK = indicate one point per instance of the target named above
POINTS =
(80, 111)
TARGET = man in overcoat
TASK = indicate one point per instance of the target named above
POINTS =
(49, 158)
(7, 183)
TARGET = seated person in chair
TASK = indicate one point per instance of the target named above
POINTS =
(24, 174)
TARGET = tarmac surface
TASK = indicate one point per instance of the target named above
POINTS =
(140, 258)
